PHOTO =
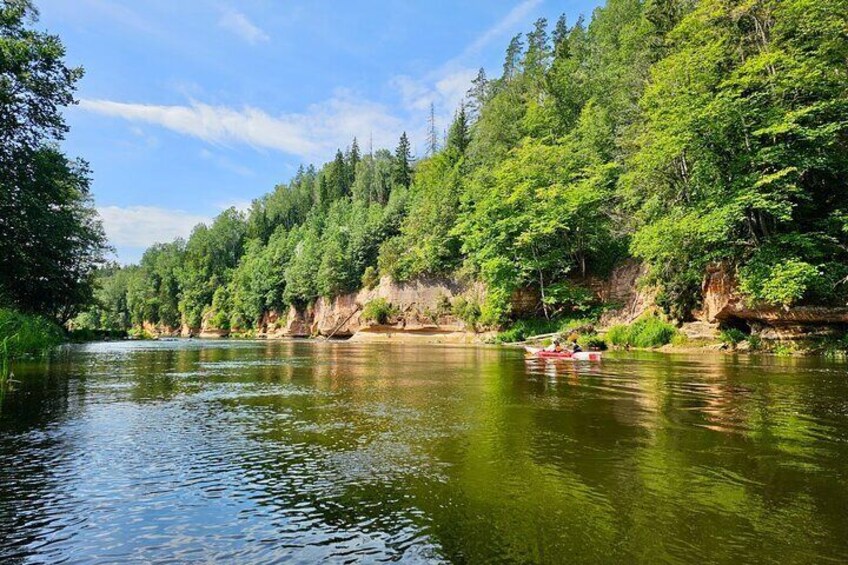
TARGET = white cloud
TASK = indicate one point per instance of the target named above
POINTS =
(312, 134)
(453, 87)
(142, 226)
(317, 131)
(236, 22)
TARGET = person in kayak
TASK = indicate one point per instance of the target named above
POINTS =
(575, 347)
(555, 346)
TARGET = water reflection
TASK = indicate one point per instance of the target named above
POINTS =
(258, 451)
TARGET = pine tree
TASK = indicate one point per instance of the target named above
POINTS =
(478, 93)
(513, 58)
(560, 34)
(432, 135)
(339, 186)
(459, 136)
(351, 161)
(402, 173)
(538, 53)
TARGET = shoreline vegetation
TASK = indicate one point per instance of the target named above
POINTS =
(25, 336)
(594, 146)
(704, 142)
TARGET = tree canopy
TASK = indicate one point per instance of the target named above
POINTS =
(52, 240)
(683, 133)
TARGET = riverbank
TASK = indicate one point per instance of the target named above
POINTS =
(24, 335)
(487, 340)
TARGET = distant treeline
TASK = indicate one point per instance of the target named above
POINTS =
(682, 133)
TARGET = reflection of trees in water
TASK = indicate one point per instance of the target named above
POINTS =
(619, 462)
(31, 448)
(718, 471)
(477, 456)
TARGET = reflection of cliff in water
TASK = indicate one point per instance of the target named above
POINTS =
(260, 450)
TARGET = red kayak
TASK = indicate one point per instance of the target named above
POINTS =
(564, 355)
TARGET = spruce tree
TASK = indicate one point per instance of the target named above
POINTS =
(459, 135)
(402, 173)
(352, 160)
(513, 58)
(432, 135)
(478, 94)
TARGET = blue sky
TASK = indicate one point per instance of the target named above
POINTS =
(189, 107)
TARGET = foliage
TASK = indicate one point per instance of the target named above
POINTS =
(370, 278)
(521, 329)
(592, 342)
(52, 238)
(468, 311)
(834, 346)
(740, 144)
(428, 245)
(379, 311)
(777, 275)
(648, 331)
(732, 336)
(24, 335)
(684, 133)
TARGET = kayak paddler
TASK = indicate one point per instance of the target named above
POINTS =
(555, 346)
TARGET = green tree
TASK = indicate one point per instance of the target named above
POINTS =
(210, 257)
(52, 238)
(459, 134)
(742, 146)
(402, 172)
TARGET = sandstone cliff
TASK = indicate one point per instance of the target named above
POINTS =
(423, 309)
(722, 304)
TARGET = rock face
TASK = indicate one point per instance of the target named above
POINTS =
(722, 303)
(160, 330)
(423, 305)
(624, 290)
(424, 311)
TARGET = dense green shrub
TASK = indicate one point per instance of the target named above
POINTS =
(782, 284)
(466, 310)
(732, 336)
(370, 278)
(521, 329)
(650, 331)
(379, 311)
(22, 335)
(139, 333)
(592, 342)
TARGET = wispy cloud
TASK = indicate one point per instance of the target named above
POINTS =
(317, 131)
(446, 86)
(506, 24)
(239, 24)
(142, 226)
(314, 133)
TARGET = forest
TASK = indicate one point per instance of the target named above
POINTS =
(680, 133)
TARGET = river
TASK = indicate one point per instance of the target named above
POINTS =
(301, 452)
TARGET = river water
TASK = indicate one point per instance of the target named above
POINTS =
(301, 452)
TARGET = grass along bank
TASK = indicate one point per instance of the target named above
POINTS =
(24, 335)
